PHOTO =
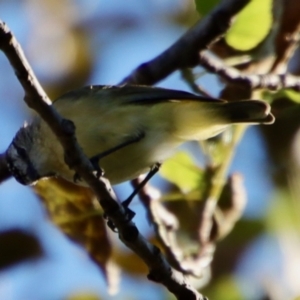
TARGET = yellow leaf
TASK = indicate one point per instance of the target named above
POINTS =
(182, 171)
(252, 25)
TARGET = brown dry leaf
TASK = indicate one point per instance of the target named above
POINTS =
(77, 213)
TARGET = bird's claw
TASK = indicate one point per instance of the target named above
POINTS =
(98, 171)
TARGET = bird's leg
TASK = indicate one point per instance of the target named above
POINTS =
(130, 214)
(95, 159)
(154, 169)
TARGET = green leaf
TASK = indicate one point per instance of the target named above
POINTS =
(252, 25)
(205, 6)
(292, 95)
(283, 93)
(182, 171)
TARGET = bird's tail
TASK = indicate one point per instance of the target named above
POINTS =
(249, 111)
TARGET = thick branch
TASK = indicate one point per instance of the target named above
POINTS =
(184, 52)
(36, 98)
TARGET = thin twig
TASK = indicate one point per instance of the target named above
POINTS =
(254, 81)
(188, 76)
(227, 216)
(287, 39)
(216, 187)
(166, 227)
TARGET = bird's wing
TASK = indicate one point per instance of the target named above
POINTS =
(146, 95)
(135, 94)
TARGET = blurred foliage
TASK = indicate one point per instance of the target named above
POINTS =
(231, 249)
(284, 214)
(217, 148)
(225, 288)
(181, 171)
(204, 7)
(251, 26)
(17, 246)
(284, 93)
(291, 94)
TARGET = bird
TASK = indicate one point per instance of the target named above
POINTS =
(125, 130)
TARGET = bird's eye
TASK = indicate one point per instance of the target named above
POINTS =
(22, 153)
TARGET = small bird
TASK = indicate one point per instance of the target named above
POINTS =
(126, 129)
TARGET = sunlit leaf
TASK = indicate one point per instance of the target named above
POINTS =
(203, 7)
(251, 26)
(292, 95)
(182, 171)
(284, 93)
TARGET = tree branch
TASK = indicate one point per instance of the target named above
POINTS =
(184, 52)
(36, 98)
(253, 81)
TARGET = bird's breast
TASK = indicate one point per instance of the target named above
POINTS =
(137, 158)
